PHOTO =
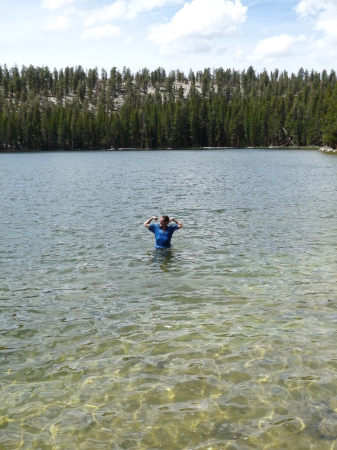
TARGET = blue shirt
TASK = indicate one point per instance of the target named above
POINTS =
(163, 238)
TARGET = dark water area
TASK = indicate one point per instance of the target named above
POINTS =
(226, 341)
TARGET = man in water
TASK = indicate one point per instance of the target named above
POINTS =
(162, 231)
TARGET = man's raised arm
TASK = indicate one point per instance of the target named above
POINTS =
(180, 224)
(147, 223)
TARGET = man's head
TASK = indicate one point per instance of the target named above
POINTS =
(164, 220)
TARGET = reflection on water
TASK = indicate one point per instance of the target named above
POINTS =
(163, 258)
(228, 340)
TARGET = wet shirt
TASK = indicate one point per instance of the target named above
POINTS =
(163, 238)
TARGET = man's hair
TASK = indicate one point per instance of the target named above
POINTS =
(166, 218)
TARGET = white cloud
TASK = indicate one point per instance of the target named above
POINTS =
(324, 15)
(193, 28)
(124, 9)
(111, 12)
(56, 4)
(273, 48)
(58, 23)
(136, 7)
(309, 7)
(101, 32)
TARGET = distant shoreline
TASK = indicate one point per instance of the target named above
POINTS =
(2, 151)
(79, 110)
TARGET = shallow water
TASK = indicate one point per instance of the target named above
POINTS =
(226, 341)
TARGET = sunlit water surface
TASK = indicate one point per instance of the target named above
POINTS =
(226, 342)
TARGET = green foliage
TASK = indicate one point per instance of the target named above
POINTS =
(77, 109)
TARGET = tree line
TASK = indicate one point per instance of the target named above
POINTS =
(73, 108)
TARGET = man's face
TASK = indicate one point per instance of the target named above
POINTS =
(162, 222)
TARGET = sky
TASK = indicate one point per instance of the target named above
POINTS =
(174, 34)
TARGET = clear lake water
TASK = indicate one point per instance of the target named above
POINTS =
(226, 341)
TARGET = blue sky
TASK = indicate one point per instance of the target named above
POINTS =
(173, 34)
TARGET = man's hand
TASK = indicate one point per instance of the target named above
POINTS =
(180, 225)
(147, 223)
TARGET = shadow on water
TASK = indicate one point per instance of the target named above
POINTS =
(163, 258)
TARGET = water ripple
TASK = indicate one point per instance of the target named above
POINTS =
(226, 341)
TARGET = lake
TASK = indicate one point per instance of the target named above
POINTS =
(227, 341)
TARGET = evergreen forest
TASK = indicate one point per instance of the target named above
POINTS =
(73, 108)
